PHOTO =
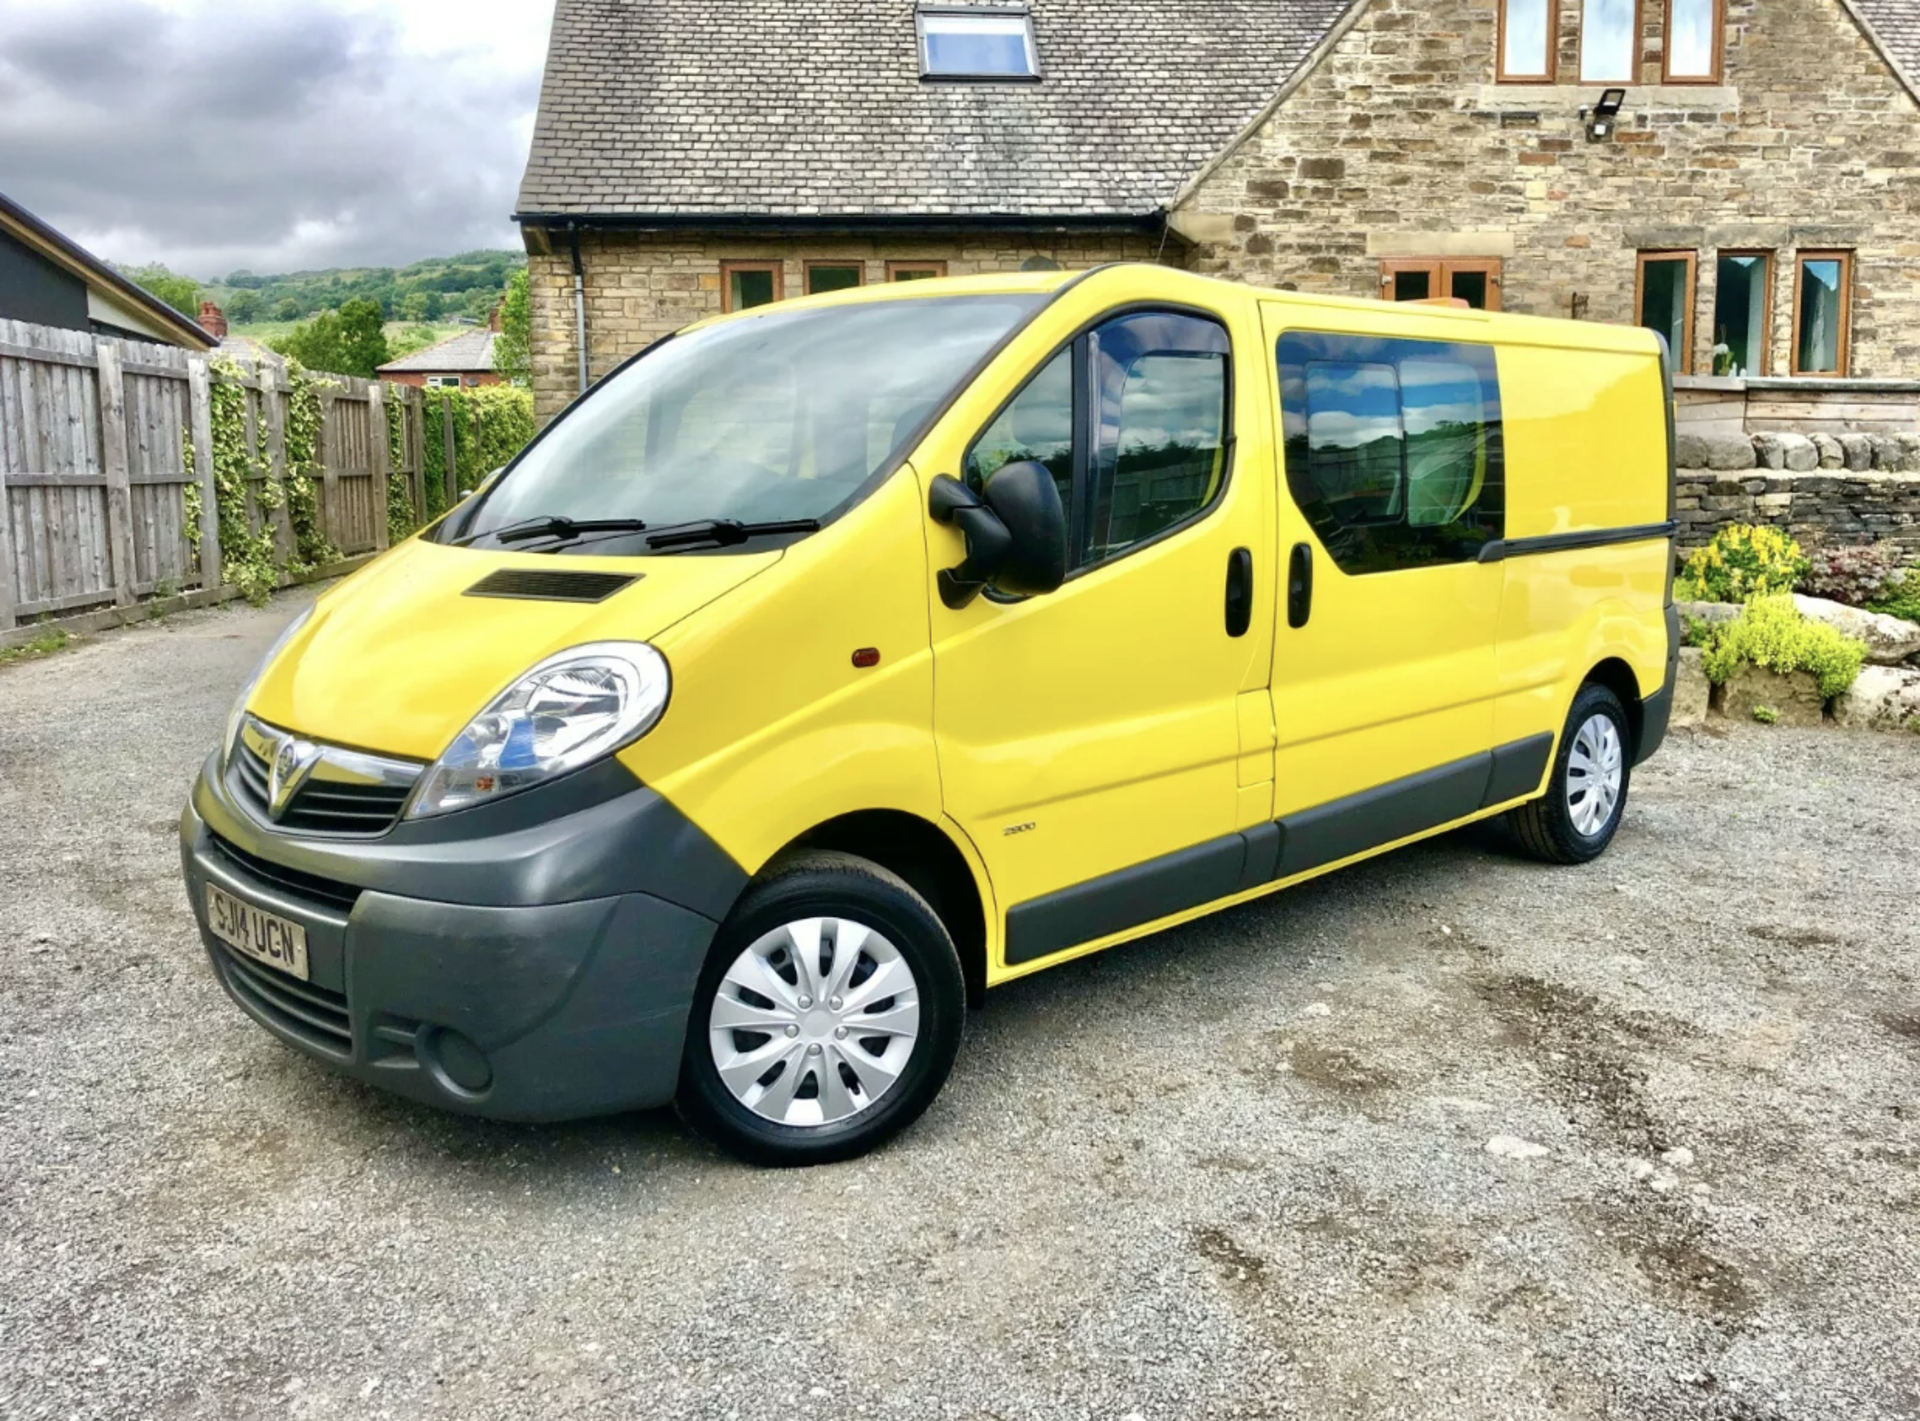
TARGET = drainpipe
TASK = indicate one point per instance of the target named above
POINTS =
(579, 303)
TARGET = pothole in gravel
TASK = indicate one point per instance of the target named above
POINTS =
(1795, 937)
(1582, 1047)
(1334, 1069)
(1234, 1263)
(1667, 1242)
(1905, 1025)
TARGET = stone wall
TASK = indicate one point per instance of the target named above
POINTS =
(1856, 488)
(642, 286)
(1402, 145)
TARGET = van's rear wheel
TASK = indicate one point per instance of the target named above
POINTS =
(827, 1017)
(1587, 793)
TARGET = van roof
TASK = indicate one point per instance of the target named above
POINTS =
(1440, 322)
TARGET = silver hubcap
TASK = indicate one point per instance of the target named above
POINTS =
(815, 1022)
(1595, 770)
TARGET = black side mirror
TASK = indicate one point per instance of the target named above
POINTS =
(1016, 533)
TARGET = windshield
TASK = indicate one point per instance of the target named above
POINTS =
(779, 417)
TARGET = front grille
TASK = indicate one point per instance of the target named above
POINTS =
(291, 881)
(321, 806)
(312, 1015)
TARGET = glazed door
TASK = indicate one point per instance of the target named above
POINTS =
(1384, 670)
(1087, 735)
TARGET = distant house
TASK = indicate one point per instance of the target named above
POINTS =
(464, 361)
(1741, 175)
(49, 280)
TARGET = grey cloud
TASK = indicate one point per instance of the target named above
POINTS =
(253, 138)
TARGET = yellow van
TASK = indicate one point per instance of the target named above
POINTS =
(833, 662)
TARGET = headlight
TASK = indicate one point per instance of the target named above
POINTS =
(239, 710)
(567, 712)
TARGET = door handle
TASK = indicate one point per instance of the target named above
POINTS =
(1300, 586)
(1239, 591)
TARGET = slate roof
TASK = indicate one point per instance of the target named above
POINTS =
(468, 351)
(1897, 23)
(816, 108)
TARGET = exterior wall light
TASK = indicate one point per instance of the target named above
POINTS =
(1600, 118)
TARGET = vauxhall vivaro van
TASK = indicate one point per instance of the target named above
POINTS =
(833, 662)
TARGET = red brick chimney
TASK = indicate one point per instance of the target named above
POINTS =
(493, 318)
(213, 321)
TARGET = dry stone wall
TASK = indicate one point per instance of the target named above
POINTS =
(1851, 488)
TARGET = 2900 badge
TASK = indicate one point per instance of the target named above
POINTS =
(259, 934)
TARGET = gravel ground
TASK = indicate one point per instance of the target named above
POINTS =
(1240, 1169)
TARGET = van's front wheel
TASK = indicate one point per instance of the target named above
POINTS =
(827, 1017)
(1580, 813)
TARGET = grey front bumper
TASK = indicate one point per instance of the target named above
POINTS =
(533, 965)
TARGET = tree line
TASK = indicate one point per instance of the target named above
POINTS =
(441, 288)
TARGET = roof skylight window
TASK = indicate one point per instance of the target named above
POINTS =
(976, 43)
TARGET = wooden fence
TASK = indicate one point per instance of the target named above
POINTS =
(93, 474)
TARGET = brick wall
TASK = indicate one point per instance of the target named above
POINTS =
(1401, 144)
(643, 286)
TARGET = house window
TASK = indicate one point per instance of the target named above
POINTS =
(1394, 449)
(915, 271)
(976, 44)
(1742, 312)
(1609, 41)
(443, 382)
(1822, 302)
(1529, 36)
(1695, 41)
(832, 276)
(1663, 301)
(1474, 280)
(744, 285)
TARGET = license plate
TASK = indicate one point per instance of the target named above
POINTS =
(259, 934)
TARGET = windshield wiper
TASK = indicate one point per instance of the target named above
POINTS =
(553, 526)
(727, 532)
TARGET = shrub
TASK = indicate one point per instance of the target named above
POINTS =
(1902, 599)
(1745, 561)
(1854, 575)
(1772, 634)
(1766, 715)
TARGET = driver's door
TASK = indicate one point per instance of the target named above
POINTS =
(1091, 740)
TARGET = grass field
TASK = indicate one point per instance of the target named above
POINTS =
(403, 337)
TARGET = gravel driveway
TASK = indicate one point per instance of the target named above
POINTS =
(1239, 1169)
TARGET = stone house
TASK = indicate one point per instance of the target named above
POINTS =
(1743, 175)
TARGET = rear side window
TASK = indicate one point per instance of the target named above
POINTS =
(1393, 448)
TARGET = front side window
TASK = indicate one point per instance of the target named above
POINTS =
(1393, 448)
(1694, 40)
(1609, 41)
(1665, 302)
(976, 44)
(1822, 301)
(1131, 420)
(786, 415)
(1528, 38)
(1743, 282)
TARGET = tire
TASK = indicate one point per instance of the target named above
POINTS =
(1567, 826)
(834, 1092)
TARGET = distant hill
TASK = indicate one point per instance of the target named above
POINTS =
(439, 289)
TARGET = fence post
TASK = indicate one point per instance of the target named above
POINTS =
(6, 556)
(416, 430)
(200, 404)
(113, 457)
(276, 455)
(379, 451)
(446, 431)
(329, 457)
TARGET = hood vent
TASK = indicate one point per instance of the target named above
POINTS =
(538, 584)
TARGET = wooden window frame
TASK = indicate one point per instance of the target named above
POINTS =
(1766, 305)
(1719, 70)
(1553, 48)
(1682, 359)
(1844, 347)
(938, 268)
(856, 264)
(728, 268)
(1639, 46)
(1443, 269)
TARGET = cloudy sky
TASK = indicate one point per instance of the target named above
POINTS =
(215, 135)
